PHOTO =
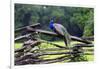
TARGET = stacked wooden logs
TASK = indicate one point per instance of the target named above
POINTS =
(30, 52)
(26, 55)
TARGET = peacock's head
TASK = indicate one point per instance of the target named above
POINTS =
(52, 19)
(51, 23)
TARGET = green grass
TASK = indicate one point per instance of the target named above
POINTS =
(90, 57)
(45, 46)
(18, 45)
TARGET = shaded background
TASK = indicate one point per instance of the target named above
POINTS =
(78, 21)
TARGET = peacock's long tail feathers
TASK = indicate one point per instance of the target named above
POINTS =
(67, 38)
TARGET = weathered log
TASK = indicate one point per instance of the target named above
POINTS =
(40, 54)
(32, 42)
(59, 46)
(52, 49)
(54, 34)
(80, 40)
(28, 43)
(41, 61)
(59, 49)
(18, 54)
(25, 28)
(84, 45)
(62, 48)
(34, 55)
(58, 59)
(88, 38)
(27, 56)
(55, 49)
(47, 61)
(28, 61)
(35, 43)
(22, 37)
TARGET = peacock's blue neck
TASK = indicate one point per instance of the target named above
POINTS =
(51, 25)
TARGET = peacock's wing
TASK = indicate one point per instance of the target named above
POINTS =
(58, 29)
(62, 31)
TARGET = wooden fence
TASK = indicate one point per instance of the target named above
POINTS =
(28, 54)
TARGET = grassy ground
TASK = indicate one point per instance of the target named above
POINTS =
(45, 46)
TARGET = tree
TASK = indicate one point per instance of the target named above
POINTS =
(77, 20)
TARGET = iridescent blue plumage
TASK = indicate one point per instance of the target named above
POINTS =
(51, 24)
(60, 30)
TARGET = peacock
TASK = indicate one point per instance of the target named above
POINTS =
(60, 30)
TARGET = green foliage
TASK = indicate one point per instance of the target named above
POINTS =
(79, 58)
(89, 25)
(79, 21)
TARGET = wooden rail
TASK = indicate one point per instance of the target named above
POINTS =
(29, 55)
(53, 34)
